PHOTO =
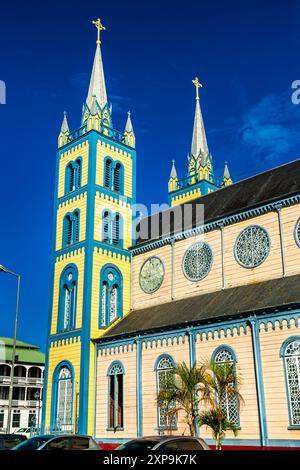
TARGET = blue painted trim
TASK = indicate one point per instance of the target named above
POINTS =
(139, 386)
(46, 399)
(72, 268)
(112, 249)
(118, 197)
(87, 288)
(259, 380)
(54, 403)
(71, 248)
(214, 225)
(221, 348)
(288, 397)
(287, 342)
(118, 281)
(156, 364)
(74, 217)
(115, 415)
(228, 348)
(71, 195)
(66, 334)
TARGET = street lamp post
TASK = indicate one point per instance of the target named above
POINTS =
(37, 397)
(11, 385)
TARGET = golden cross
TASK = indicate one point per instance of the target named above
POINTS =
(99, 27)
(197, 85)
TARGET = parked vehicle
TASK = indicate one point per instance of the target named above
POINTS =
(165, 444)
(8, 441)
(28, 432)
(61, 442)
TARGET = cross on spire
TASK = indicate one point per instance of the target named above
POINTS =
(197, 86)
(100, 28)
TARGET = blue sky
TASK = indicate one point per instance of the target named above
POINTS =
(245, 53)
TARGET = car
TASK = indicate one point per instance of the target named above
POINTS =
(164, 444)
(8, 441)
(28, 432)
(59, 442)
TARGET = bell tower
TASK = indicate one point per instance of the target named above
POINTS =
(94, 196)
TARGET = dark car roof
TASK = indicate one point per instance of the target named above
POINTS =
(164, 438)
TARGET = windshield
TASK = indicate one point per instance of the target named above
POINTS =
(138, 445)
(32, 444)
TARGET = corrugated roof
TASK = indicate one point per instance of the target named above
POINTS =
(25, 352)
(237, 301)
(263, 188)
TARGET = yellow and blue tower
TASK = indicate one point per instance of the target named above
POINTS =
(200, 179)
(94, 197)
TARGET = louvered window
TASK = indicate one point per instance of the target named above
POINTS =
(106, 227)
(116, 230)
(117, 176)
(107, 175)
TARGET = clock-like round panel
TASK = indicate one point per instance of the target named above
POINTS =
(152, 275)
(252, 246)
(197, 261)
(297, 233)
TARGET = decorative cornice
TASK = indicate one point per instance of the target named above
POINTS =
(225, 221)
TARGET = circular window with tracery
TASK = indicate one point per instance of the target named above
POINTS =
(197, 261)
(297, 233)
(152, 275)
(252, 246)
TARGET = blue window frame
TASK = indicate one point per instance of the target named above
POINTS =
(115, 375)
(290, 353)
(73, 176)
(229, 402)
(67, 299)
(62, 398)
(111, 301)
(71, 228)
(164, 367)
(112, 228)
(113, 175)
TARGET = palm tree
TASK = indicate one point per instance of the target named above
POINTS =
(181, 393)
(220, 384)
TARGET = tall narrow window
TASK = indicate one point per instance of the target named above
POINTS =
(229, 401)
(107, 174)
(116, 230)
(116, 395)
(110, 295)
(73, 176)
(164, 370)
(67, 302)
(118, 178)
(106, 227)
(71, 229)
(77, 173)
(64, 401)
(291, 355)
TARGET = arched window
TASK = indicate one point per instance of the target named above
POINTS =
(64, 402)
(118, 178)
(290, 352)
(164, 370)
(106, 221)
(67, 300)
(73, 176)
(71, 229)
(117, 235)
(110, 295)
(116, 395)
(229, 401)
(108, 174)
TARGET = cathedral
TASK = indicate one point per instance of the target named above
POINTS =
(129, 301)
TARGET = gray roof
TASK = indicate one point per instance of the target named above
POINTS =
(266, 187)
(97, 83)
(282, 293)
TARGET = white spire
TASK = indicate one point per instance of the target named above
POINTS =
(199, 142)
(65, 125)
(226, 172)
(128, 127)
(173, 171)
(97, 82)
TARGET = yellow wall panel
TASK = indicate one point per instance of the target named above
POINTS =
(80, 202)
(81, 150)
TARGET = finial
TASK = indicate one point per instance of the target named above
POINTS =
(99, 27)
(197, 85)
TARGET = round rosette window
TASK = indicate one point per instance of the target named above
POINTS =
(152, 275)
(197, 261)
(252, 246)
